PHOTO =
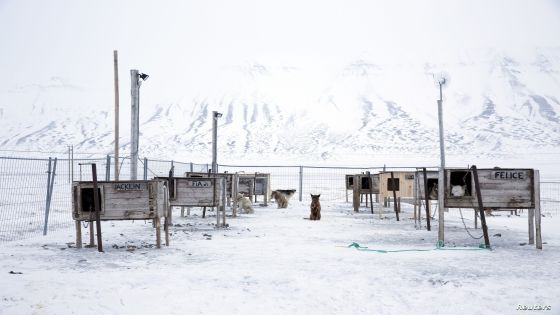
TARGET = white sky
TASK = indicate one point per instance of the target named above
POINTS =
(179, 42)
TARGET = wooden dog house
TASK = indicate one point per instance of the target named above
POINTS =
(499, 188)
(121, 200)
(402, 183)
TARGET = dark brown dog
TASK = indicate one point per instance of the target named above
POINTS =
(315, 208)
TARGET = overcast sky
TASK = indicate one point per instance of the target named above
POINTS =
(73, 41)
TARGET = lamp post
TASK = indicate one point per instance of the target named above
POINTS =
(441, 80)
(215, 116)
(135, 77)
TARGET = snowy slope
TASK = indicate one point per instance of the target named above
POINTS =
(495, 104)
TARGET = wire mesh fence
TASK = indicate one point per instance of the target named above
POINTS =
(32, 191)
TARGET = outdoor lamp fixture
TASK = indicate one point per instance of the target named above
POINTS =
(143, 76)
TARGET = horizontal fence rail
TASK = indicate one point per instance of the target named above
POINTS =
(33, 191)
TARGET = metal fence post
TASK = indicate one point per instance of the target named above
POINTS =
(50, 186)
(108, 168)
(191, 166)
(301, 183)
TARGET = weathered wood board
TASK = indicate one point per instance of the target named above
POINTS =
(500, 188)
(230, 179)
(247, 184)
(364, 182)
(198, 191)
(262, 184)
(123, 200)
(404, 184)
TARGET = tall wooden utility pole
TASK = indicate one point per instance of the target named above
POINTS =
(116, 71)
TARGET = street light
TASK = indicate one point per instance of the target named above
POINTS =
(442, 80)
(135, 77)
(215, 116)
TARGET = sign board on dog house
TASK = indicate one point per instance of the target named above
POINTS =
(197, 191)
(230, 179)
(499, 187)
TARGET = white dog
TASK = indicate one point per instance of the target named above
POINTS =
(245, 204)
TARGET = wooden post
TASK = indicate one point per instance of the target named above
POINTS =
(97, 208)
(171, 194)
(370, 178)
(223, 198)
(427, 198)
(78, 234)
(234, 192)
(480, 207)
(538, 209)
(531, 218)
(475, 220)
(356, 194)
(116, 71)
(157, 223)
(91, 233)
(166, 229)
(394, 196)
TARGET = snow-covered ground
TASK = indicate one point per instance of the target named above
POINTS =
(274, 262)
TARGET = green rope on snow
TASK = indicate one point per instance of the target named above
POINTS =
(439, 246)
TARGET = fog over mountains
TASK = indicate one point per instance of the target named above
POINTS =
(308, 91)
(495, 105)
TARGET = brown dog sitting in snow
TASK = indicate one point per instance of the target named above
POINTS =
(315, 208)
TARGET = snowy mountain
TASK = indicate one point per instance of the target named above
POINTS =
(494, 104)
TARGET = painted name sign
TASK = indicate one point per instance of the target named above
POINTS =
(129, 186)
(509, 175)
(200, 183)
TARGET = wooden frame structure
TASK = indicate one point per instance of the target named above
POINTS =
(121, 200)
(496, 188)
(199, 192)
(362, 185)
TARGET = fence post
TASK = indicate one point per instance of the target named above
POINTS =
(108, 168)
(191, 166)
(50, 185)
(301, 183)
(47, 199)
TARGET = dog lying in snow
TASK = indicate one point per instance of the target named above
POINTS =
(245, 203)
(282, 196)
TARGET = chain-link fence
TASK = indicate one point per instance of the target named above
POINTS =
(33, 190)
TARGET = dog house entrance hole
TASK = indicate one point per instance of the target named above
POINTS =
(390, 186)
(350, 181)
(87, 200)
(462, 178)
(431, 183)
(365, 183)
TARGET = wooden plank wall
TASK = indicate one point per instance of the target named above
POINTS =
(406, 185)
(500, 188)
(143, 201)
(197, 192)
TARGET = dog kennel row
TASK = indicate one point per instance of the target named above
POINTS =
(154, 199)
(500, 187)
